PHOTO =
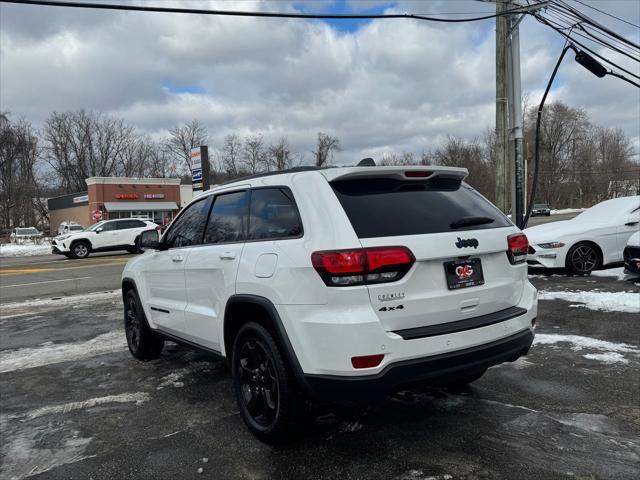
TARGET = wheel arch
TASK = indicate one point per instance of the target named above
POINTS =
(260, 310)
(76, 240)
(128, 284)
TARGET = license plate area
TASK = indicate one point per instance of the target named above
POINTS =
(463, 273)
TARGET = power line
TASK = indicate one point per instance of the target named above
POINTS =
(238, 13)
(606, 13)
(572, 40)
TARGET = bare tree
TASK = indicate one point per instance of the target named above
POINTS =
(18, 158)
(253, 154)
(280, 156)
(183, 138)
(327, 145)
(85, 144)
(231, 155)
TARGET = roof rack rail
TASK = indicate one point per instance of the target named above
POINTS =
(275, 172)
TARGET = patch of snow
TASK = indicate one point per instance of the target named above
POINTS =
(173, 379)
(23, 358)
(24, 455)
(601, 301)
(563, 211)
(72, 300)
(609, 357)
(610, 352)
(610, 272)
(24, 250)
(580, 342)
(138, 398)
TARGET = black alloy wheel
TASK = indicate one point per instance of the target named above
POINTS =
(258, 382)
(265, 387)
(583, 258)
(143, 343)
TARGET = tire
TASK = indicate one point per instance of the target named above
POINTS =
(68, 255)
(80, 249)
(143, 343)
(265, 388)
(464, 381)
(548, 214)
(583, 258)
(136, 247)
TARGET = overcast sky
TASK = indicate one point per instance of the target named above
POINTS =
(383, 85)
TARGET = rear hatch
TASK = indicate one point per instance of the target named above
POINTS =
(458, 238)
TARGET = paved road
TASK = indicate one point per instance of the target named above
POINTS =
(52, 275)
(76, 405)
(551, 218)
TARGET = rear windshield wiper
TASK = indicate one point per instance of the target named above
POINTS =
(468, 221)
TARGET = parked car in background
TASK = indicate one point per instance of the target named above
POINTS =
(631, 255)
(27, 234)
(104, 236)
(335, 284)
(68, 227)
(594, 238)
(540, 209)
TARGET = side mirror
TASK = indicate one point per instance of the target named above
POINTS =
(149, 240)
(99, 229)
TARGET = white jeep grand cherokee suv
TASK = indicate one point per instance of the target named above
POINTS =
(335, 284)
(104, 236)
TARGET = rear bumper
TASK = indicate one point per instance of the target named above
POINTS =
(434, 369)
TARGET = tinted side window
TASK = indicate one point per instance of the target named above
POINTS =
(385, 207)
(228, 218)
(109, 226)
(132, 224)
(273, 214)
(189, 227)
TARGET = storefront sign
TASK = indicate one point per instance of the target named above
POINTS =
(154, 195)
(196, 175)
(81, 198)
(127, 196)
(196, 159)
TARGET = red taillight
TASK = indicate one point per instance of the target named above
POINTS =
(341, 268)
(518, 247)
(416, 174)
(367, 361)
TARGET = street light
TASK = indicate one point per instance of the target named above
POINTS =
(595, 67)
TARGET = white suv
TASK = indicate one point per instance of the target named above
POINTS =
(335, 284)
(104, 236)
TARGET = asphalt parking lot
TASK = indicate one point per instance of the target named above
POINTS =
(76, 405)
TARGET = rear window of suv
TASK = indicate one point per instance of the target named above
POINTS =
(386, 207)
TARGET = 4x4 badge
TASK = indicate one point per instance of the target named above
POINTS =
(388, 309)
(467, 242)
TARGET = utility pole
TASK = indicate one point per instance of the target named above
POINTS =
(501, 107)
(515, 119)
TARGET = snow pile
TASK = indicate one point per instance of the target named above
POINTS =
(23, 358)
(72, 300)
(26, 250)
(567, 210)
(603, 301)
(610, 272)
(609, 352)
(138, 398)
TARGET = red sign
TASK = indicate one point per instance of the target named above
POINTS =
(127, 196)
(97, 215)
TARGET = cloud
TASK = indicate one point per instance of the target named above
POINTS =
(378, 85)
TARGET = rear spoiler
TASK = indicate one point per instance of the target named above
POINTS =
(395, 172)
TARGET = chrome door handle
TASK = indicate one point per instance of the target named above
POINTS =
(177, 258)
(227, 256)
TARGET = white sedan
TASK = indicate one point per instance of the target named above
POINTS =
(594, 238)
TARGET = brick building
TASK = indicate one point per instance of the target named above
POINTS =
(106, 198)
